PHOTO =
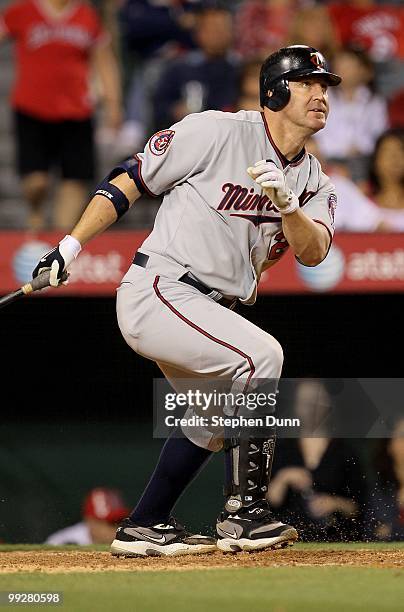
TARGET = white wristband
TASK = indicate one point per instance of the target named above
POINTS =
(70, 245)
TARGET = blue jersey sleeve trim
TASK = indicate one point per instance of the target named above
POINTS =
(132, 167)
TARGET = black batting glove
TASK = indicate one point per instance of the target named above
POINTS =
(58, 259)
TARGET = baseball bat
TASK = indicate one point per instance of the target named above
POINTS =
(40, 282)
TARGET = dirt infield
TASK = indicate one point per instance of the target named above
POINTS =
(90, 561)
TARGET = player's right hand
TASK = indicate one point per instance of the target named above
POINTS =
(58, 259)
(273, 182)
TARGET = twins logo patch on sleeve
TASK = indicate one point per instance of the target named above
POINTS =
(160, 142)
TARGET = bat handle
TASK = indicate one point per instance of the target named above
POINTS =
(40, 282)
(11, 297)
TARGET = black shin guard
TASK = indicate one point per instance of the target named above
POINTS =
(250, 463)
(249, 456)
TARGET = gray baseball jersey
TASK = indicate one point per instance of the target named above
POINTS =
(214, 220)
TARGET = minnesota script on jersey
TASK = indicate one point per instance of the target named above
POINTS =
(214, 220)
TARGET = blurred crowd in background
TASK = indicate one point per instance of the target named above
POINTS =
(333, 488)
(93, 83)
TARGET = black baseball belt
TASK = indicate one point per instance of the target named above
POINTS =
(141, 259)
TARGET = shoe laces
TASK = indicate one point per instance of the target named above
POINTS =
(171, 522)
(174, 523)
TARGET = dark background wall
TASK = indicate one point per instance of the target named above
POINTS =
(76, 401)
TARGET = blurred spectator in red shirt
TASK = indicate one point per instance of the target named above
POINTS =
(396, 110)
(262, 26)
(379, 30)
(312, 26)
(57, 43)
(387, 178)
(102, 510)
(357, 115)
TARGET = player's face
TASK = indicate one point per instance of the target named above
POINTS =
(308, 106)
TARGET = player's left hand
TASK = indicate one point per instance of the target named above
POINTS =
(58, 259)
(273, 181)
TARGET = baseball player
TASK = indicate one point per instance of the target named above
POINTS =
(239, 189)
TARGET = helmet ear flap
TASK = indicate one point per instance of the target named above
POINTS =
(280, 96)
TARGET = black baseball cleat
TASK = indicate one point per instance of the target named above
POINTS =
(160, 540)
(253, 528)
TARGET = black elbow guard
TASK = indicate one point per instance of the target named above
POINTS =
(107, 190)
(112, 192)
(117, 198)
